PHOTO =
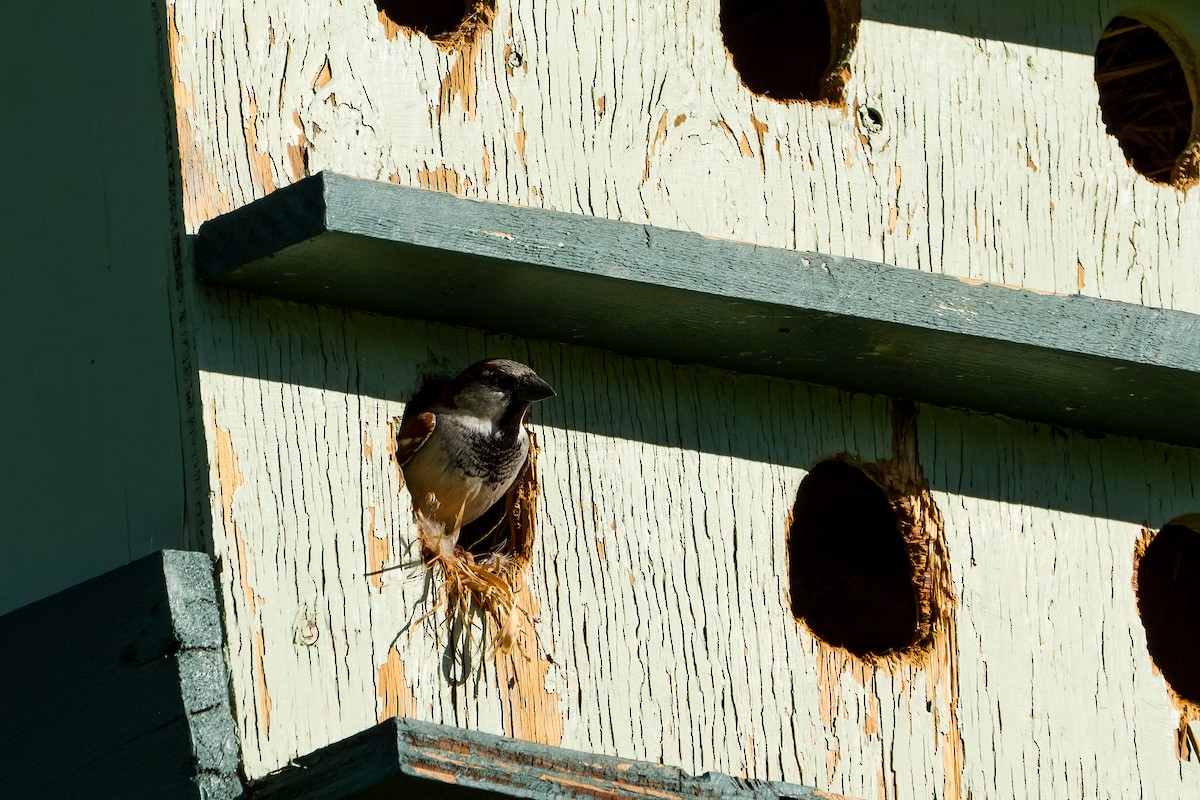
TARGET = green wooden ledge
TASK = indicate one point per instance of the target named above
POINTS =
(1077, 361)
(408, 758)
(117, 688)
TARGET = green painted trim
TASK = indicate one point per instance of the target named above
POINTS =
(117, 688)
(409, 758)
(1077, 361)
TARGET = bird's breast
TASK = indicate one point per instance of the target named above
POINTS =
(465, 469)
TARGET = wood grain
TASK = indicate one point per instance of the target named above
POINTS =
(660, 571)
(639, 290)
(406, 758)
(659, 568)
(994, 166)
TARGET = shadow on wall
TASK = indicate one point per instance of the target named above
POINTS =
(702, 409)
(1073, 26)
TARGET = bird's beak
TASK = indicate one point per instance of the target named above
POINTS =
(534, 389)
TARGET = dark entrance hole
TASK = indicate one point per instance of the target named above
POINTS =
(850, 573)
(791, 49)
(1145, 101)
(1168, 598)
(437, 19)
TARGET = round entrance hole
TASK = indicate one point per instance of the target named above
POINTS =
(1147, 100)
(437, 19)
(850, 573)
(791, 49)
(1168, 578)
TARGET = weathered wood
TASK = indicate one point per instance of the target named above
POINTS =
(994, 166)
(1077, 361)
(659, 572)
(117, 688)
(662, 629)
(408, 758)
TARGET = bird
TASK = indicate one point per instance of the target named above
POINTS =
(461, 452)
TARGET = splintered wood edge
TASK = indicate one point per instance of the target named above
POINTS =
(405, 755)
(1074, 360)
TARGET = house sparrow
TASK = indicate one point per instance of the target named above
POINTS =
(462, 452)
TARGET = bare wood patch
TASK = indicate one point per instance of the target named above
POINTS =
(396, 698)
(465, 44)
(761, 128)
(258, 650)
(324, 75)
(298, 150)
(379, 552)
(202, 196)
(229, 480)
(443, 179)
(744, 146)
(519, 137)
(260, 160)
(532, 711)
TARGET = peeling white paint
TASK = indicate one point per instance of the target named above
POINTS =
(660, 566)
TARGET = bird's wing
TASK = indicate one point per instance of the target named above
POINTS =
(412, 434)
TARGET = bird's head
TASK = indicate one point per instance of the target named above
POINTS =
(496, 390)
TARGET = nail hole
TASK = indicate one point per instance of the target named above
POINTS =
(850, 572)
(440, 20)
(1146, 101)
(1166, 577)
(791, 49)
(871, 119)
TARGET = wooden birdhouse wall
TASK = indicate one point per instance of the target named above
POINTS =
(656, 617)
(93, 466)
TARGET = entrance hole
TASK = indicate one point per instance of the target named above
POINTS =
(1168, 600)
(1147, 101)
(850, 572)
(791, 49)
